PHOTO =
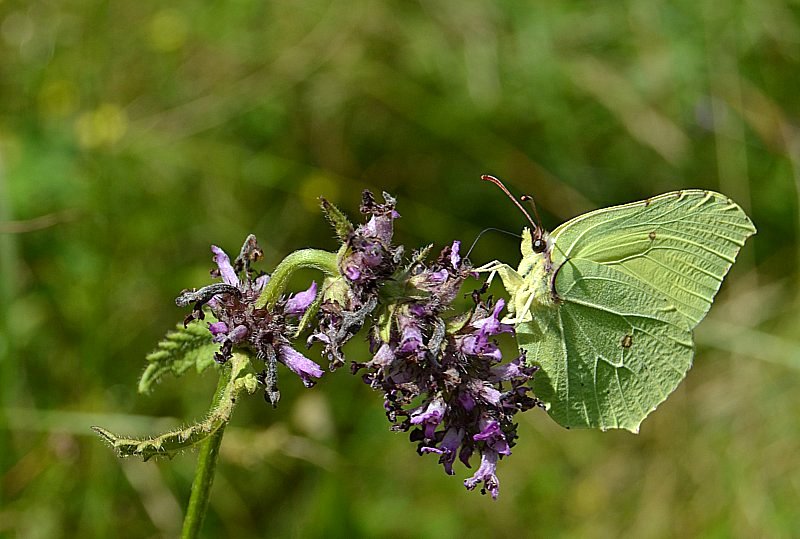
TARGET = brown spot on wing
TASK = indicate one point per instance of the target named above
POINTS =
(627, 341)
(652, 235)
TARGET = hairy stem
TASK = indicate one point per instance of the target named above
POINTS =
(324, 261)
(169, 443)
(206, 466)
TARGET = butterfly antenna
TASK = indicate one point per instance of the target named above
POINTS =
(485, 230)
(528, 198)
(499, 184)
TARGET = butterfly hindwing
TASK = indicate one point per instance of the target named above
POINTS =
(614, 350)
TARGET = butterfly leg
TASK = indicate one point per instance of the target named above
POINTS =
(514, 284)
(490, 268)
(524, 314)
(511, 279)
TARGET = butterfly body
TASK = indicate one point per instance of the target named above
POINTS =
(605, 305)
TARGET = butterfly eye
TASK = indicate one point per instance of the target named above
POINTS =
(539, 245)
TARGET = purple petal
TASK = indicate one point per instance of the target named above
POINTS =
(298, 303)
(466, 400)
(411, 335)
(509, 371)
(238, 334)
(418, 310)
(380, 226)
(490, 394)
(491, 324)
(489, 429)
(260, 282)
(352, 272)
(430, 416)
(450, 442)
(371, 256)
(218, 328)
(299, 364)
(447, 448)
(224, 265)
(455, 258)
(479, 345)
(493, 436)
(383, 358)
(437, 277)
(486, 474)
(412, 341)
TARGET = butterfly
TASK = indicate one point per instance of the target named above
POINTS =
(605, 304)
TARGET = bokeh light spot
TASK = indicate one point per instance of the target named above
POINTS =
(101, 127)
(58, 98)
(17, 29)
(168, 30)
(316, 185)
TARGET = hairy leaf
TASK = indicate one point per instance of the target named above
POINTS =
(180, 350)
(341, 224)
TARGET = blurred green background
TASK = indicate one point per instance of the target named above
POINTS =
(132, 136)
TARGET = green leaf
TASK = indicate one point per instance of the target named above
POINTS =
(341, 224)
(180, 350)
(311, 312)
(170, 443)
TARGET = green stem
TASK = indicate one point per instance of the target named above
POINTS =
(323, 261)
(206, 466)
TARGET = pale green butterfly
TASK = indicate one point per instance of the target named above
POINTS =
(605, 305)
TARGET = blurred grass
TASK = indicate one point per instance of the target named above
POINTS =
(133, 135)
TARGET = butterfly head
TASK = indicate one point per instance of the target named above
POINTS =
(539, 241)
(535, 242)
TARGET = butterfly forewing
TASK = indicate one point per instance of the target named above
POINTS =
(680, 244)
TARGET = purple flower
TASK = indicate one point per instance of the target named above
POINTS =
(478, 345)
(383, 357)
(493, 436)
(297, 304)
(429, 415)
(411, 340)
(352, 271)
(437, 277)
(240, 324)
(447, 448)
(491, 324)
(453, 367)
(511, 370)
(488, 394)
(455, 258)
(238, 334)
(485, 474)
(369, 260)
(225, 268)
(370, 257)
(218, 330)
(299, 364)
